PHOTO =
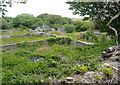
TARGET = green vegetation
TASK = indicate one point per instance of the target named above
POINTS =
(108, 71)
(80, 69)
(74, 35)
(69, 28)
(98, 77)
(52, 58)
(59, 61)
(100, 13)
(24, 21)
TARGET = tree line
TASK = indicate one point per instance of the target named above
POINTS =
(24, 21)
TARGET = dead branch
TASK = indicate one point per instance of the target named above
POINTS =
(116, 34)
(108, 24)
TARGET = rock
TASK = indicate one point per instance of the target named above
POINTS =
(111, 51)
(30, 30)
(36, 59)
(115, 59)
(106, 65)
(111, 64)
(69, 78)
(64, 58)
(62, 29)
(90, 77)
(52, 29)
(46, 28)
(38, 29)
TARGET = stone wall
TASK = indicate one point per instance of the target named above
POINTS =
(81, 43)
(9, 36)
(73, 43)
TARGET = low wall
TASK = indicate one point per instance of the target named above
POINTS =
(11, 31)
(81, 43)
(9, 46)
(45, 34)
(72, 42)
(36, 33)
(9, 36)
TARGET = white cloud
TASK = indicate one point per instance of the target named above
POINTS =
(36, 7)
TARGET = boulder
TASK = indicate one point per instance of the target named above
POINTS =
(69, 80)
(62, 29)
(46, 28)
(36, 59)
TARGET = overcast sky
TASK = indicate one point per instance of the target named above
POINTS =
(36, 7)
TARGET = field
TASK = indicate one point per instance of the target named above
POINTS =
(53, 59)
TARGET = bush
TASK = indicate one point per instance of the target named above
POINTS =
(69, 28)
(81, 69)
(107, 71)
(78, 24)
(58, 40)
(87, 25)
(90, 36)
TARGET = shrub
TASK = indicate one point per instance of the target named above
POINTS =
(78, 24)
(98, 77)
(87, 25)
(59, 40)
(81, 69)
(90, 36)
(107, 71)
(69, 28)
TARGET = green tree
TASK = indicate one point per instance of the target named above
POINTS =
(67, 20)
(69, 28)
(101, 13)
(87, 25)
(54, 21)
(78, 24)
(4, 24)
(38, 23)
(24, 20)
